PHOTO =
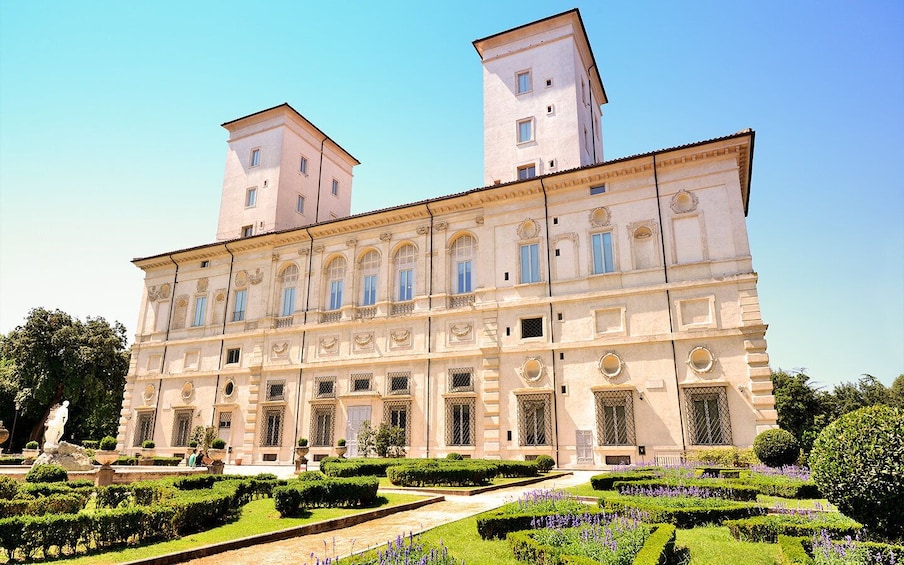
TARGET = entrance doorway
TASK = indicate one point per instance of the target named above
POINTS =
(584, 443)
(357, 415)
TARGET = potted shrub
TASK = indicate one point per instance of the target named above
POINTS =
(147, 452)
(301, 452)
(106, 453)
(31, 451)
(217, 450)
(341, 448)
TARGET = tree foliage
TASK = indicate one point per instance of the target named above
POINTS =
(54, 357)
(385, 441)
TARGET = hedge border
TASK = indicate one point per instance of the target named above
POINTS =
(606, 481)
(657, 549)
(793, 551)
(768, 528)
(717, 487)
(688, 517)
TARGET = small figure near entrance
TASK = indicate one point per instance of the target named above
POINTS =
(55, 424)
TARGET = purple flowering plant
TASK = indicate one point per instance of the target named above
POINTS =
(611, 539)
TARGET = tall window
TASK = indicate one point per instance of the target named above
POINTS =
(369, 267)
(255, 157)
(182, 427)
(335, 188)
(271, 432)
(238, 307)
(250, 197)
(602, 253)
(463, 251)
(709, 423)
(459, 421)
(534, 419)
(322, 425)
(287, 280)
(530, 263)
(525, 130)
(299, 204)
(615, 417)
(303, 165)
(335, 277)
(144, 428)
(200, 311)
(396, 414)
(405, 260)
(523, 82)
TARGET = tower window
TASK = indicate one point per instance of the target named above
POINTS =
(524, 83)
(299, 204)
(255, 157)
(250, 197)
(303, 165)
(335, 188)
(525, 130)
(527, 172)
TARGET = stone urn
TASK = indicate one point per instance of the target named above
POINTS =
(30, 454)
(341, 449)
(301, 457)
(106, 458)
(216, 454)
(4, 435)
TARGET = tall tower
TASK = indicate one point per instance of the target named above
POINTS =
(282, 172)
(542, 95)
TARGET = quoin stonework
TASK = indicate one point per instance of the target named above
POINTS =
(601, 312)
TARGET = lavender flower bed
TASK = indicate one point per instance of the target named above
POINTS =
(793, 522)
(544, 501)
(789, 471)
(401, 551)
(850, 552)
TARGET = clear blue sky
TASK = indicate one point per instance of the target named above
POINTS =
(110, 144)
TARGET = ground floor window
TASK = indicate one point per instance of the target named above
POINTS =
(460, 421)
(322, 425)
(535, 423)
(182, 427)
(707, 415)
(397, 414)
(615, 417)
(144, 428)
(272, 427)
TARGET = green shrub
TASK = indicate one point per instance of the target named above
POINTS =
(717, 487)
(9, 487)
(858, 464)
(606, 481)
(723, 457)
(340, 442)
(218, 443)
(659, 547)
(302, 442)
(777, 485)
(311, 476)
(48, 473)
(768, 528)
(90, 443)
(793, 551)
(148, 444)
(161, 461)
(684, 513)
(566, 547)
(455, 456)
(435, 472)
(108, 443)
(126, 460)
(509, 468)
(497, 524)
(31, 445)
(291, 499)
(57, 503)
(544, 463)
(11, 460)
(776, 447)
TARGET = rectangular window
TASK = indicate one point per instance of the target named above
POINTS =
(272, 428)
(594, 190)
(205, 264)
(250, 197)
(238, 309)
(524, 82)
(255, 157)
(709, 423)
(303, 165)
(525, 130)
(288, 302)
(322, 426)
(299, 204)
(406, 284)
(531, 327)
(397, 414)
(464, 277)
(460, 421)
(182, 427)
(615, 417)
(534, 419)
(326, 387)
(335, 295)
(527, 172)
(602, 253)
(335, 188)
(144, 428)
(200, 311)
(460, 379)
(361, 382)
(247, 231)
(398, 383)
(530, 263)
(224, 422)
(233, 355)
(370, 290)
(276, 390)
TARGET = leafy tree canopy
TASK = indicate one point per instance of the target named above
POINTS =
(54, 357)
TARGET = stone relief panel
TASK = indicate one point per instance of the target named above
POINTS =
(159, 292)
(683, 202)
(528, 229)
(327, 346)
(180, 311)
(460, 331)
(202, 284)
(532, 370)
(400, 338)
(645, 250)
(363, 341)
(279, 351)
(600, 217)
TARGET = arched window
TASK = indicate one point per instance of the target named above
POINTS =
(335, 275)
(287, 280)
(405, 263)
(462, 253)
(368, 267)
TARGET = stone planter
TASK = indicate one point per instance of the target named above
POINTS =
(216, 454)
(216, 461)
(300, 457)
(106, 458)
(146, 457)
(340, 450)
(30, 454)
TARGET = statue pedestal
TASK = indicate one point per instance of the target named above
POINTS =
(104, 476)
(216, 467)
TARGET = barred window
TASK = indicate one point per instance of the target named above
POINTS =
(271, 430)
(396, 414)
(325, 387)
(460, 421)
(182, 427)
(461, 379)
(225, 421)
(399, 383)
(322, 423)
(707, 415)
(531, 327)
(276, 390)
(614, 417)
(361, 382)
(534, 419)
(144, 428)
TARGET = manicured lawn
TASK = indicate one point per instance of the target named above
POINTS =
(464, 542)
(714, 546)
(258, 517)
(807, 503)
(587, 490)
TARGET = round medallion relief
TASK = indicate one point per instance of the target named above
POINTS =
(148, 394)
(229, 389)
(610, 365)
(532, 370)
(187, 390)
(701, 360)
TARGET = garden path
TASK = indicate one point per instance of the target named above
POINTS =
(307, 549)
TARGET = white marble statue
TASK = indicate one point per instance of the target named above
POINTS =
(55, 424)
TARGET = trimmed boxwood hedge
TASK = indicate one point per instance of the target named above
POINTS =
(11, 460)
(366, 467)
(657, 549)
(450, 473)
(768, 528)
(784, 487)
(717, 487)
(606, 481)
(57, 503)
(687, 517)
(497, 524)
(293, 498)
(793, 551)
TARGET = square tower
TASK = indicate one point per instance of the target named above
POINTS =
(542, 97)
(282, 172)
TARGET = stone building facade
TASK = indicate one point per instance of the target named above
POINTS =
(602, 314)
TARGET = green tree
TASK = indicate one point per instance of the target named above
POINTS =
(802, 410)
(896, 392)
(54, 357)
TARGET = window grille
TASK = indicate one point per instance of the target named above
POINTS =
(534, 422)
(531, 327)
(397, 413)
(361, 382)
(325, 387)
(461, 379)
(182, 427)
(322, 424)
(706, 410)
(272, 427)
(460, 421)
(233, 355)
(399, 383)
(144, 428)
(225, 420)
(276, 390)
(614, 417)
